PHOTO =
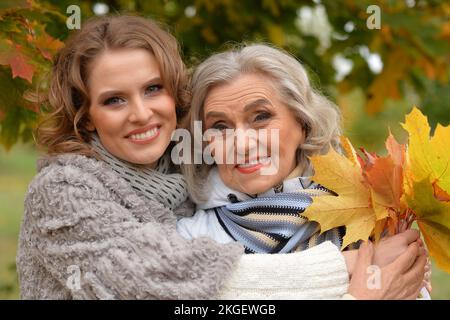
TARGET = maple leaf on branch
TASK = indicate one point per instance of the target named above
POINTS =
(352, 207)
(20, 67)
(384, 175)
(428, 157)
(433, 219)
(427, 183)
(375, 194)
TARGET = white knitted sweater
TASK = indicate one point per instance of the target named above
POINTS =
(316, 273)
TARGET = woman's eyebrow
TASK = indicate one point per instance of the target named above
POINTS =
(109, 93)
(152, 81)
(256, 103)
(215, 114)
(248, 107)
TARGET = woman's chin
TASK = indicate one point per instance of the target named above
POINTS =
(255, 186)
(147, 158)
(146, 154)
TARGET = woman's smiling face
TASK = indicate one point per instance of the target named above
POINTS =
(251, 102)
(130, 109)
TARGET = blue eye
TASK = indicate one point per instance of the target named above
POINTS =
(113, 101)
(219, 126)
(153, 88)
(263, 116)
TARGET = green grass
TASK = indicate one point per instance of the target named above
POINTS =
(17, 168)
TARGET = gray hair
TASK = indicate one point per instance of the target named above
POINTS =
(319, 117)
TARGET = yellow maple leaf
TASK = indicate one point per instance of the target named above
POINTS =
(349, 151)
(352, 207)
(433, 219)
(428, 157)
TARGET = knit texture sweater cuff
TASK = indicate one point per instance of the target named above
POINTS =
(316, 273)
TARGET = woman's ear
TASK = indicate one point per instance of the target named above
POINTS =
(303, 135)
(183, 121)
(90, 126)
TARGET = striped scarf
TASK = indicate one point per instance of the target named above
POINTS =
(158, 184)
(272, 222)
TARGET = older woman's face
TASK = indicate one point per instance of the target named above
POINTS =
(130, 109)
(251, 102)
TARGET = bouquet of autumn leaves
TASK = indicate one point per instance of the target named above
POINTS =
(375, 194)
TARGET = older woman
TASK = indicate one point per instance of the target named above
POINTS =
(262, 89)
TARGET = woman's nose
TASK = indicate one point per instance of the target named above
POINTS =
(246, 141)
(140, 111)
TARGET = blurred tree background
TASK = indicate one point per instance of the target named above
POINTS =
(374, 70)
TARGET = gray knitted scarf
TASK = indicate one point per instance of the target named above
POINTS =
(158, 184)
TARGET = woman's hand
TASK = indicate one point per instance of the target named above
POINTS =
(401, 279)
(390, 248)
(386, 251)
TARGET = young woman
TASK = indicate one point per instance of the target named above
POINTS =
(100, 215)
